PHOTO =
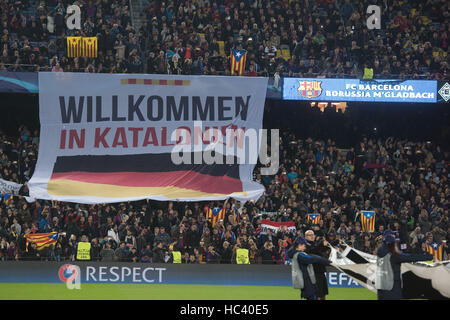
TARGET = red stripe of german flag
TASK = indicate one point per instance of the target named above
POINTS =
(141, 175)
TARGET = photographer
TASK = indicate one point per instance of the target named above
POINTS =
(268, 254)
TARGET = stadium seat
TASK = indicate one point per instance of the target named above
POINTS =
(286, 54)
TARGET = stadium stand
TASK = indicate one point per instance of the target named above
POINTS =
(296, 38)
(405, 182)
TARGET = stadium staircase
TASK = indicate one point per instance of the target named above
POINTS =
(138, 16)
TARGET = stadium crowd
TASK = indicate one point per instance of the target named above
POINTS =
(305, 38)
(405, 183)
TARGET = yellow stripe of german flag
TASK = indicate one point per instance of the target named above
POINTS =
(63, 187)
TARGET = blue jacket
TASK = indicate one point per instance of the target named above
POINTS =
(44, 225)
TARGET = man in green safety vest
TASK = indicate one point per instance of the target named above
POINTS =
(242, 255)
(176, 256)
(83, 249)
(368, 72)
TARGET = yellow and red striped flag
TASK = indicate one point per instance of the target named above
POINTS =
(42, 240)
(74, 47)
(236, 215)
(215, 214)
(314, 218)
(238, 61)
(437, 250)
(368, 221)
(90, 47)
(8, 198)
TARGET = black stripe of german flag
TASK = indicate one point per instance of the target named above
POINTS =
(118, 176)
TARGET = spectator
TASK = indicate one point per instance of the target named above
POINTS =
(268, 254)
(107, 254)
(121, 253)
(405, 182)
(212, 257)
(226, 253)
(146, 255)
(158, 253)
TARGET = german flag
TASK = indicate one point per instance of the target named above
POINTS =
(74, 49)
(437, 250)
(142, 175)
(90, 47)
(42, 240)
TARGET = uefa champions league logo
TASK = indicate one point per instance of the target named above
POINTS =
(71, 275)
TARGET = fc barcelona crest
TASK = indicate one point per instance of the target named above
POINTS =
(310, 89)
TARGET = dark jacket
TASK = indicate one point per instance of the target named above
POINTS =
(192, 238)
(226, 256)
(318, 249)
(213, 258)
(95, 252)
(396, 261)
(158, 255)
(267, 256)
(310, 290)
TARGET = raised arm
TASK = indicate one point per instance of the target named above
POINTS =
(404, 257)
(307, 259)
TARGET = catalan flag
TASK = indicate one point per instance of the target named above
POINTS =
(215, 214)
(368, 221)
(42, 240)
(437, 250)
(238, 61)
(8, 198)
(74, 47)
(236, 215)
(90, 47)
(314, 218)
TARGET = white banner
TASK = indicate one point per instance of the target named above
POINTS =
(414, 287)
(123, 137)
(11, 187)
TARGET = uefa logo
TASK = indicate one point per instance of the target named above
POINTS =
(70, 274)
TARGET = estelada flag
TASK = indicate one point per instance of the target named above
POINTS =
(8, 197)
(215, 214)
(237, 62)
(74, 48)
(236, 215)
(42, 240)
(368, 221)
(90, 47)
(437, 250)
(314, 218)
